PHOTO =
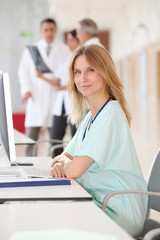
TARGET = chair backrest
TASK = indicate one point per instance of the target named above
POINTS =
(154, 183)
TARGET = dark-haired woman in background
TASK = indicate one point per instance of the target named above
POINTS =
(61, 106)
(72, 40)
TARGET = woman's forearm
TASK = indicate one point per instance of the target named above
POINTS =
(68, 155)
(54, 82)
(76, 167)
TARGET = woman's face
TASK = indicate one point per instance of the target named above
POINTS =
(72, 42)
(88, 81)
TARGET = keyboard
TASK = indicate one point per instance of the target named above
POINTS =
(34, 172)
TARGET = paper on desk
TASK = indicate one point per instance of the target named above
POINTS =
(61, 234)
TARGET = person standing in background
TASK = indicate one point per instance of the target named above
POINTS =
(38, 95)
(87, 32)
(61, 108)
(72, 40)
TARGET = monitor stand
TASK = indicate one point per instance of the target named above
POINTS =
(5, 167)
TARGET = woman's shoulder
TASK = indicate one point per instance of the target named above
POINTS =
(113, 107)
(114, 111)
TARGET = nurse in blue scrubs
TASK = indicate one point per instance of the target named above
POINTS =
(101, 157)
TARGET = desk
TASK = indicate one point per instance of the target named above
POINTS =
(84, 216)
(43, 193)
(21, 139)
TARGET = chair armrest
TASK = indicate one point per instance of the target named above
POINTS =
(46, 140)
(53, 148)
(109, 195)
(152, 234)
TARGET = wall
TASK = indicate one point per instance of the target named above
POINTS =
(133, 25)
(135, 44)
(19, 24)
(136, 26)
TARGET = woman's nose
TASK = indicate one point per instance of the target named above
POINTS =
(83, 77)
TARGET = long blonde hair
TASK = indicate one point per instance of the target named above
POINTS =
(101, 61)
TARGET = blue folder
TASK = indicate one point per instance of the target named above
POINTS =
(33, 182)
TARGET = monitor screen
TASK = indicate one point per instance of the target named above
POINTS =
(6, 121)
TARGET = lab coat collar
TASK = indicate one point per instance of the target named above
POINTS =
(43, 43)
(94, 40)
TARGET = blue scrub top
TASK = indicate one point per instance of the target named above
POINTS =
(116, 167)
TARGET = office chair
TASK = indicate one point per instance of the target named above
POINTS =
(59, 144)
(151, 228)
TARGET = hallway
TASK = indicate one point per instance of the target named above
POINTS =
(145, 129)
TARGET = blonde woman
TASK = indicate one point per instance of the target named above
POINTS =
(101, 156)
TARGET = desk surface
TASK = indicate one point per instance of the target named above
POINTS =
(21, 139)
(83, 216)
(43, 193)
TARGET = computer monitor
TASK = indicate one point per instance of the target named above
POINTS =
(6, 121)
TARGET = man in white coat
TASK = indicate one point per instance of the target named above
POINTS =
(87, 32)
(38, 95)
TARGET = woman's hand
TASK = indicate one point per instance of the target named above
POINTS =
(60, 88)
(57, 82)
(58, 164)
(39, 74)
(58, 170)
(61, 159)
(26, 97)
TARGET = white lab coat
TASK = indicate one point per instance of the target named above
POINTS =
(94, 40)
(39, 109)
(62, 95)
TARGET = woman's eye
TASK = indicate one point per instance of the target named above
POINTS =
(76, 72)
(90, 70)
